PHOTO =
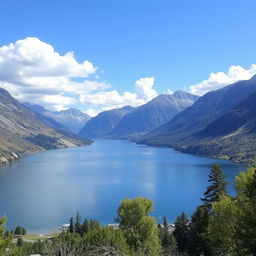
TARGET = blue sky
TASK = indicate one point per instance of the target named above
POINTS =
(176, 42)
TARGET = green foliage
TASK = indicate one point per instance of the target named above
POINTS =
(6, 246)
(71, 226)
(77, 224)
(217, 187)
(139, 229)
(222, 226)
(198, 232)
(88, 225)
(19, 242)
(181, 232)
(246, 215)
(106, 236)
(167, 239)
(20, 231)
(232, 225)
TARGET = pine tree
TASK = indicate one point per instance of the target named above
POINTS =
(181, 232)
(217, 188)
(78, 224)
(198, 232)
(71, 226)
(167, 239)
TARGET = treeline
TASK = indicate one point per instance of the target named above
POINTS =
(222, 225)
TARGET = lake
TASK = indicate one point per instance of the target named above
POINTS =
(43, 190)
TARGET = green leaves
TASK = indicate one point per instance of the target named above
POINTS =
(139, 229)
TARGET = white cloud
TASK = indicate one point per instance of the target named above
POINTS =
(169, 91)
(221, 79)
(92, 112)
(113, 99)
(33, 71)
(144, 90)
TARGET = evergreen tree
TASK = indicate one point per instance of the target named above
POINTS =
(71, 226)
(181, 232)
(85, 228)
(94, 224)
(78, 224)
(167, 238)
(19, 242)
(217, 187)
(198, 232)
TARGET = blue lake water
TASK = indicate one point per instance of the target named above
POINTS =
(43, 190)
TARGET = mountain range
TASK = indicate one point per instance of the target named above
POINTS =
(71, 119)
(101, 125)
(130, 122)
(220, 123)
(21, 131)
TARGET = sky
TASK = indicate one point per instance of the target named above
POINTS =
(97, 55)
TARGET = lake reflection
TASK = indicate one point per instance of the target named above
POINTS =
(43, 190)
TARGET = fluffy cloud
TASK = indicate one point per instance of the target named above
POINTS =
(144, 89)
(33, 71)
(112, 99)
(221, 79)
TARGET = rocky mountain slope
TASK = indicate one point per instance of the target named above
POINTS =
(153, 114)
(21, 131)
(101, 125)
(218, 114)
(71, 119)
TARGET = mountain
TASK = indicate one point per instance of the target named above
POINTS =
(232, 135)
(197, 122)
(153, 114)
(40, 113)
(71, 119)
(21, 131)
(104, 122)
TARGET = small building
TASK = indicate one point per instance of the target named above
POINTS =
(64, 227)
(114, 226)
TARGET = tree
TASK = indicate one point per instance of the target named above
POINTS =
(5, 241)
(71, 226)
(85, 227)
(246, 205)
(198, 232)
(78, 224)
(167, 239)
(19, 242)
(20, 231)
(217, 187)
(181, 232)
(108, 237)
(139, 229)
(222, 226)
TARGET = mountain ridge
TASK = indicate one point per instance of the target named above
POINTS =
(184, 132)
(22, 132)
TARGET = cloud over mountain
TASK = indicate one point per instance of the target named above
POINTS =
(32, 70)
(221, 79)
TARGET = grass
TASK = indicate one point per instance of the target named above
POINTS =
(34, 237)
